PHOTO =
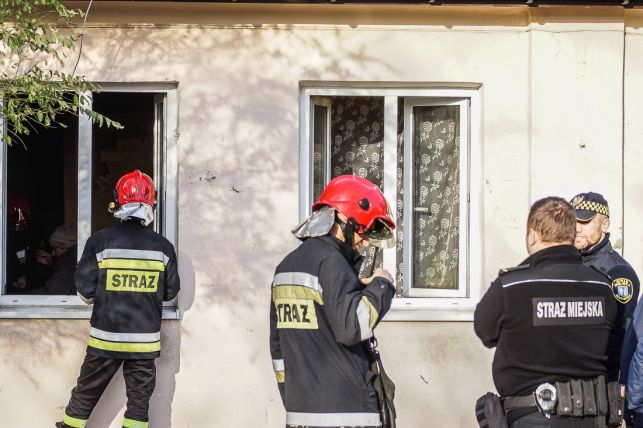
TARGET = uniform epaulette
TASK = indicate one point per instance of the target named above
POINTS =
(605, 274)
(512, 269)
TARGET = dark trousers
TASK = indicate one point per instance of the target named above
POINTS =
(536, 420)
(633, 419)
(95, 374)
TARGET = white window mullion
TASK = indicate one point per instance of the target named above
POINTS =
(84, 174)
(171, 167)
(390, 172)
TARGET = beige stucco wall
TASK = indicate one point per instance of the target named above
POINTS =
(552, 84)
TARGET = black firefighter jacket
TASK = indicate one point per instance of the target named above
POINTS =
(321, 318)
(128, 270)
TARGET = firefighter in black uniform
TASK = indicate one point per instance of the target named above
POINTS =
(322, 315)
(126, 271)
(551, 320)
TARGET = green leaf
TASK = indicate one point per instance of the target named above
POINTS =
(35, 92)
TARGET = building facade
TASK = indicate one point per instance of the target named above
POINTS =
(465, 114)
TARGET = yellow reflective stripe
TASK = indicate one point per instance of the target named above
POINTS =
(297, 292)
(372, 311)
(124, 347)
(131, 264)
(281, 376)
(131, 423)
(74, 422)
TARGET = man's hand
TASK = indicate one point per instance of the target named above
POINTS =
(43, 258)
(379, 272)
(21, 283)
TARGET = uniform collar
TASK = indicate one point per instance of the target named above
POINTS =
(131, 222)
(553, 255)
(353, 257)
(603, 245)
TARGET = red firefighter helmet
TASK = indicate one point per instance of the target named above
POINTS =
(135, 186)
(18, 211)
(359, 200)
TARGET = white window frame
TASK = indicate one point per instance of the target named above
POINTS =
(72, 307)
(427, 307)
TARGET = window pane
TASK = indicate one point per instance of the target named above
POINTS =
(115, 151)
(320, 138)
(357, 133)
(436, 198)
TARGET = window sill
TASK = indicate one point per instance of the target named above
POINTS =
(431, 309)
(64, 312)
(60, 307)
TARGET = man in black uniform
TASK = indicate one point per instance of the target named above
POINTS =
(322, 315)
(593, 241)
(28, 265)
(126, 271)
(551, 320)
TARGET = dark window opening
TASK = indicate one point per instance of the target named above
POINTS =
(41, 195)
(42, 185)
(116, 152)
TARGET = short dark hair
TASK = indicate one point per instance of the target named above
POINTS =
(554, 219)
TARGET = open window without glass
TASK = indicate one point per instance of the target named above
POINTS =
(56, 188)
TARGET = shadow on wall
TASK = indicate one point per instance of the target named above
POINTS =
(239, 138)
(113, 402)
(42, 341)
(238, 184)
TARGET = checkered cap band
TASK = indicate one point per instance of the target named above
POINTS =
(593, 206)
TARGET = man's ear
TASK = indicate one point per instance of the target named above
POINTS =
(531, 237)
(605, 225)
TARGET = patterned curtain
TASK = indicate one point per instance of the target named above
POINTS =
(357, 125)
(357, 136)
(436, 201)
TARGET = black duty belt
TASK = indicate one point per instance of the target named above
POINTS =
(519, 402)
(594, 398)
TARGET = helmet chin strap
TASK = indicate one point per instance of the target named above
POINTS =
(348, 230)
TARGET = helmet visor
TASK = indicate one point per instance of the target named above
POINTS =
(380, 234)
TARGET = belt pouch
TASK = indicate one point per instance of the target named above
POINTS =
(489, 412)
(577, 398)
(615, 402)
(600, 387)
(601, 395)
(385, 391)
(565, 405)
(589, 398)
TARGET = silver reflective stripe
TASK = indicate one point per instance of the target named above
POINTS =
(526, 281)
(116, 253)
(278, 365)
(364, 319)
(333, 419)
(125, 337)
(297, 278)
